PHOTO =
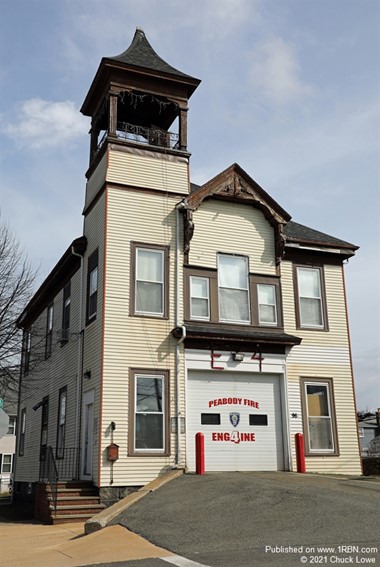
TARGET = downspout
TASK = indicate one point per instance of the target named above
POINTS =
(179, 207)
(79, 363)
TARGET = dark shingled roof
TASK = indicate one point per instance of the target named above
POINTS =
(300, 233)
(141, 54)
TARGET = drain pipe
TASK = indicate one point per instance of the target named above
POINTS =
(80, 358)
(179, 207)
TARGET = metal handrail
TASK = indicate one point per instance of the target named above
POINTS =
(49, 472)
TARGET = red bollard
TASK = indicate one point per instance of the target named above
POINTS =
(200, 453)
(300, 453)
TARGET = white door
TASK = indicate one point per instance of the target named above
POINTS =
(240, 417)
(87, 435)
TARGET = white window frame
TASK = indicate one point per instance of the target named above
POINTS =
(267, 323)
(162, 282)
(139, 450)
(10, 463)
(361, 431)
(61, 423)
(329, 417)
(207, 298)
(238, 321)
(92, 290)
(12, 425)
(304, 324)
(21, 448)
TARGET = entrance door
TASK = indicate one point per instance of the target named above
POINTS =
(87, 435)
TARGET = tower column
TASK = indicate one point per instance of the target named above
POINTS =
(112, 118)
(183, 128)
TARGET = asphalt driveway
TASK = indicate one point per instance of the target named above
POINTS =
(246, 519)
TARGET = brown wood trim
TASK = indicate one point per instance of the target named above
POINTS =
(330, 382)
(131, 405)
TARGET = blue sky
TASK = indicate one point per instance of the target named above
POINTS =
(290, 91)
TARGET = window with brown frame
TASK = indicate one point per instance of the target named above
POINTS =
(149, 412)
(92, 287)
(49, 330)
(61, 423)
(149, 295)
(262, 298)
(66, 314)
(21, 445)
(319, 421)
(311, 309)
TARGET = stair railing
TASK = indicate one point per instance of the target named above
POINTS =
(49, 472)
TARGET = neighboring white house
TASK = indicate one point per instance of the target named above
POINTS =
(181, 309)
(7, 448)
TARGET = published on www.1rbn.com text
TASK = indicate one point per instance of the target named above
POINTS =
(319, 555)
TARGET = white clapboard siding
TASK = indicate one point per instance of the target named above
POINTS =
(233, 229)
(348, 461)
(159, 171)
(96, 181)
(337, 334)
(94, 230)
(135, 342)
(47, 378)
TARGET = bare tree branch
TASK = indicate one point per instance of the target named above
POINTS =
(16, 287)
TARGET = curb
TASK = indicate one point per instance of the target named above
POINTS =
(101, 520)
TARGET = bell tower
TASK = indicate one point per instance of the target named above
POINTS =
(137, 100)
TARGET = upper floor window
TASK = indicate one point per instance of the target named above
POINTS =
(49, 330)
(242, 299)
(12, 426)
(267, 304)
(149, 294)
(66, 313)
(92, 286)
(233, 289)
(27, 350)
(199, 298)
(311, 312)
(21, 445)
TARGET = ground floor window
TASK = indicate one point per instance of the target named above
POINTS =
(149, 415)
(6, 461)
(319, 417)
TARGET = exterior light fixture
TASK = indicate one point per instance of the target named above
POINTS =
(238, 356)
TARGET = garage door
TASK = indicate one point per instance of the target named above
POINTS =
(240, 417)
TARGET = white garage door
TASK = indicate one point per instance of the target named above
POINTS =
(240, 417)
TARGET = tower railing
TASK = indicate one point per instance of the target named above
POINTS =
(143, 135)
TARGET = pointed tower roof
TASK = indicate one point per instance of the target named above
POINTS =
(135, 67)
(141, 54)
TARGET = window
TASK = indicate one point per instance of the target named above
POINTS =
(149, 295)
(233, 289)
(361, 432)
(310, 303)
(257, 419)
(21, 445)
(27, 350)
(92, 286)
(6, 464)
(66, 313)
(319, 420)
(44, 428)
(49, 330)
(267, 304)
(61, 423)
(12, 426)
(150, 432)
(210, 418)
(199, 298)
